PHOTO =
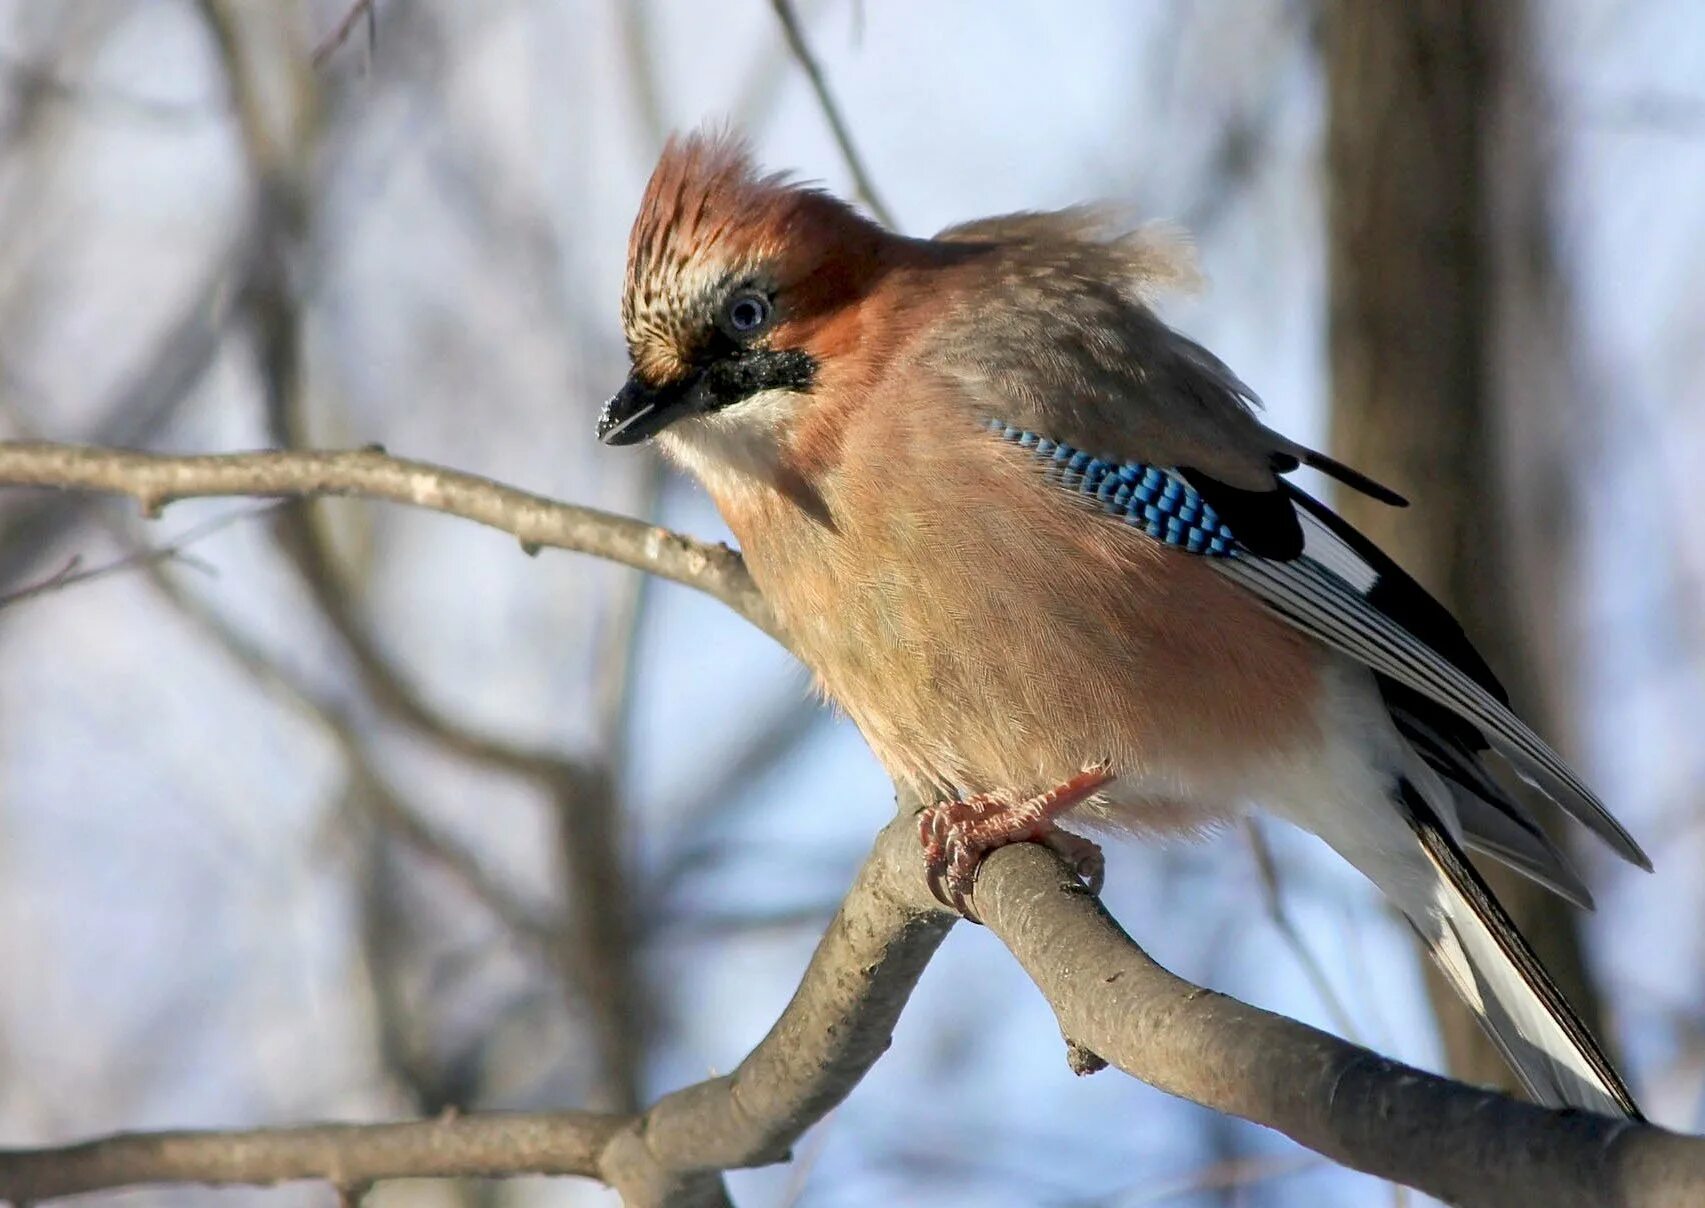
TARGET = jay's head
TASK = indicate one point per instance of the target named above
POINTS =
(741, 290)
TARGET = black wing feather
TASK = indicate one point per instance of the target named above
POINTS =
(1265, 521)
(1267, 525)
(1398, 596)
(1351, 595)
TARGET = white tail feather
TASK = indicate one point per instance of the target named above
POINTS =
(1489, 964)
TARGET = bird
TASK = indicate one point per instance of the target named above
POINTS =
(1039, 546)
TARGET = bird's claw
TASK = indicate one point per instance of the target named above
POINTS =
(957, 834)
(951, 856)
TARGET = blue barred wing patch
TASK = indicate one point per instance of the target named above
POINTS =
(1155, 500)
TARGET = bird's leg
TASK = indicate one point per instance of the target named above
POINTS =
(956, 835)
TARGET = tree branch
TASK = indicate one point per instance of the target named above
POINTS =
(564, 1143)
(1462, 1144)
(795, 34)
(155, 480)
(1459, 1143)
(838, 1023)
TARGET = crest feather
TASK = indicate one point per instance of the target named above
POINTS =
(708, 216)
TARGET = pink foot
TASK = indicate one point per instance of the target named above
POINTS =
(956, 835)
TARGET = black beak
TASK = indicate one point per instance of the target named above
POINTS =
(641, 410)
(638, 411)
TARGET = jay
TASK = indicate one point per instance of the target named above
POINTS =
(1040, 548)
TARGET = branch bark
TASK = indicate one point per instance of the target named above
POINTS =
(155, 480)
(345, 1155)
(1461, 1144)
(838, 1023)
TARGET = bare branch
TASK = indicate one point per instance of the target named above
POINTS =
(563, 1143)
(1465, 1145)
(340, 32)
(839, 1022)
(1459, 1143)
(1462, 1144)
(795, 35)
(73, 572)
(155, 480)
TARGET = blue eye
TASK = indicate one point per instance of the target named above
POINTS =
(746, 312)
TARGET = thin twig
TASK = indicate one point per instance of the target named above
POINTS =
(1267, 870)
(70, 574)
(346, 25)
(795, 35)
(66, 574)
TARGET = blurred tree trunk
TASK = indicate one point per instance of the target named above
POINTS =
(1414, 92)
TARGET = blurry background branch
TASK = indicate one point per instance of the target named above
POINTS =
(599, 928)
(595, 932)
(358, 12)
(838, 1023)
(73, 572)
(795, 35)
(141, 407)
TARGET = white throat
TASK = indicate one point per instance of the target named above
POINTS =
(731, 448)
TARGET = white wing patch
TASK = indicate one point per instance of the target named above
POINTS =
(1334, 553)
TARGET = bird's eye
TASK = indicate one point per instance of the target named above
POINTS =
(746, 313)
